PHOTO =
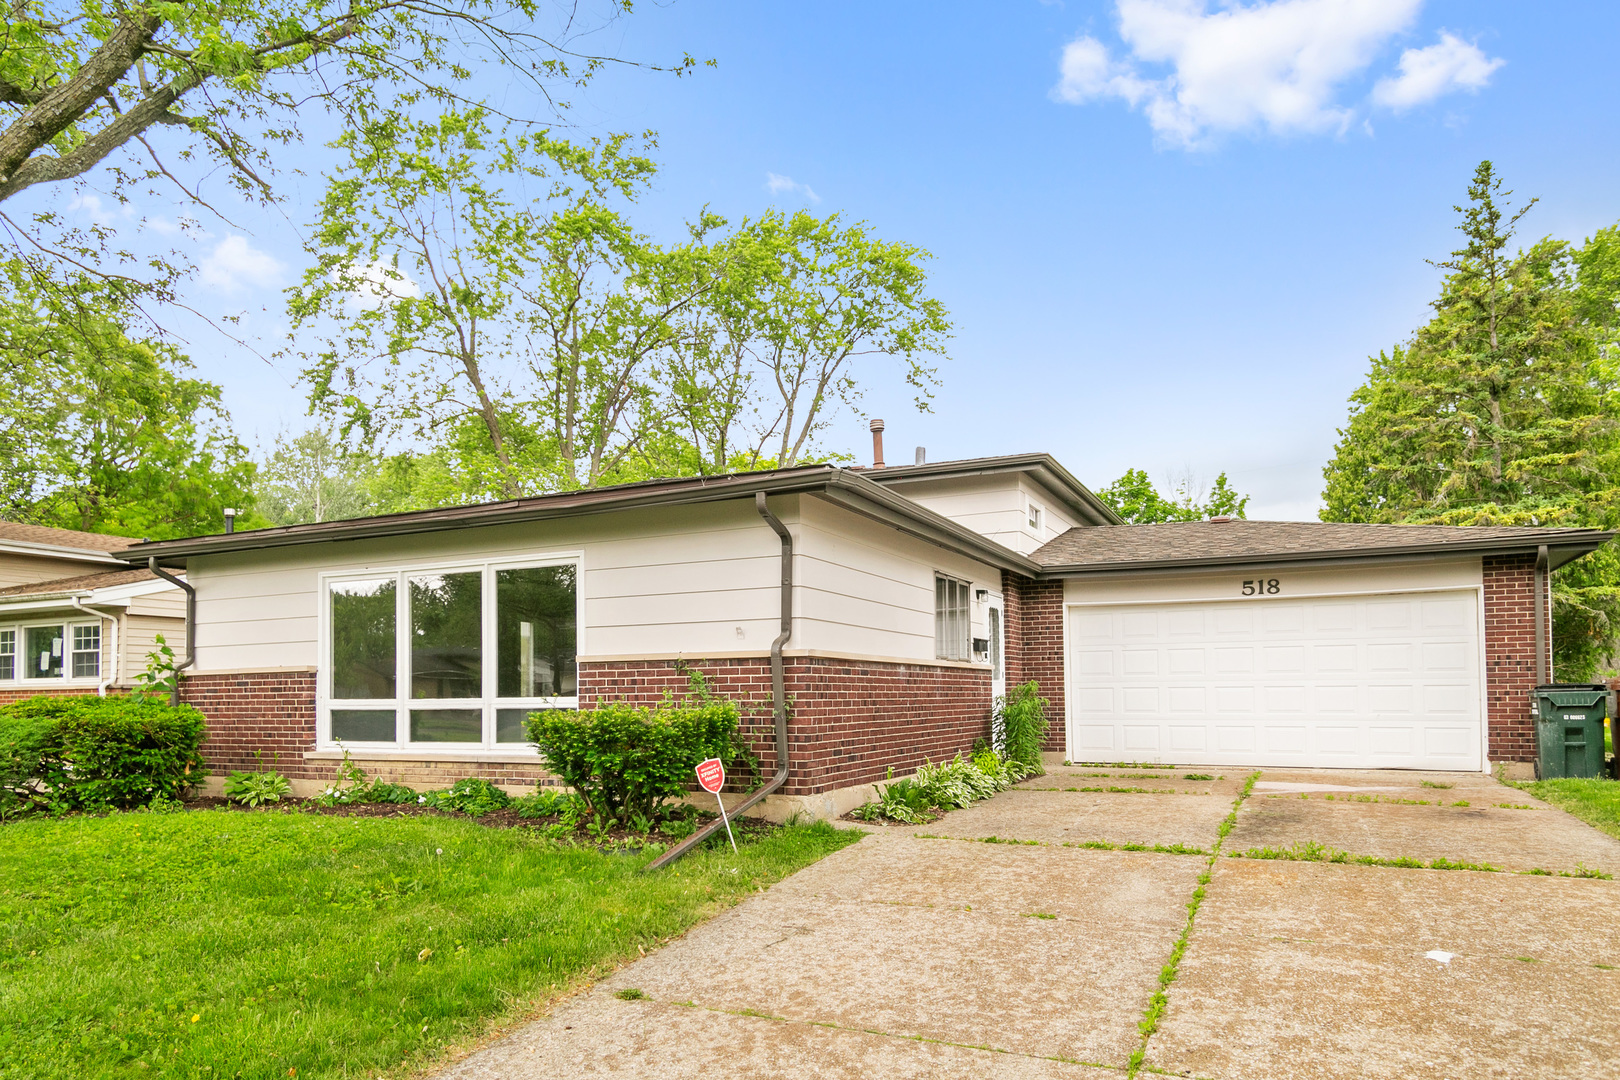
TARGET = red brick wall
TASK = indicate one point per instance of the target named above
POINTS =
(1510, 656)
(1035, 644)
(850, 720)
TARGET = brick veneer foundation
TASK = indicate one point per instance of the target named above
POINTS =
(1034, 620)
(1510, 655)
(7, 696)
(851, 721)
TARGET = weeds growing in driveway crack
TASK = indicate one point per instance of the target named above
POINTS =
(1167, 974)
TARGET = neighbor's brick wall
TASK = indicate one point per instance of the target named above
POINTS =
(1510, 655)
(1034, 612)
(851, 720)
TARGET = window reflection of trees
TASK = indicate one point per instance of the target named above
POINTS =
(447, 636)
(363, 639)
(536, 631)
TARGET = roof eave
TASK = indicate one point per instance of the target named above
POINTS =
(1571, 546)
(59, 551)
(1079, 498)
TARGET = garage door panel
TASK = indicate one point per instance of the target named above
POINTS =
(1386, 680)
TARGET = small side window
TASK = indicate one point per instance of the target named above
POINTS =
(951, 618)
(1036, 517)
(8, 654)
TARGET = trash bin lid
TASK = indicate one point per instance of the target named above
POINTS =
(1574, 699)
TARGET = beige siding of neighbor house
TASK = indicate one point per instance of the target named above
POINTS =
(26, 569)
(138, 640)
(865, 589)
(994, 506)
(696, 580)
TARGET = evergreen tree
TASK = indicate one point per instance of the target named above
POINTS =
(1502, 410)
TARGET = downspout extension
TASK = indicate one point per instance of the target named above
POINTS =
(101, 690)
(778, 694)
(1541, 616)
(191, 623)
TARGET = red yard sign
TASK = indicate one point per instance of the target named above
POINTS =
(712, 775)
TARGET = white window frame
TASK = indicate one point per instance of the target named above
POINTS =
(19, 666)
(1035, 515)
(964, 640)
(402, 703)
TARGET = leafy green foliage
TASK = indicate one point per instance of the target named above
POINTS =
(157, 679)
(312, 477)
(625, 761)
(949, 785)
(480, 289)
(1503, 409)
(256, 788)
(110, 432)
(1024, 725)
(350, 784)
(473, 796)
(294, 937)
(1134, 498)
(93, 753)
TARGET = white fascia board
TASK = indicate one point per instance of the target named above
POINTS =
(57, 602)
(110, 596)
(57, 551)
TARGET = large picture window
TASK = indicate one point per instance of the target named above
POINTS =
(448, 657)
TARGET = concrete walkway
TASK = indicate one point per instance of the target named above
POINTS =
(927, 952)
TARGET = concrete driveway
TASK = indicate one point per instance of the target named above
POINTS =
(1028, 936)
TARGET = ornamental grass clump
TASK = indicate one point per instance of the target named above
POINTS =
(626, 762)
(66, 753)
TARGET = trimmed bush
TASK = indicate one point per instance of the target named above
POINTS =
(90, 753)
(626, 762)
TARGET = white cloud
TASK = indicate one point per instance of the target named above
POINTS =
(235, 264)
(776, 183)
(379, 284)
(1274, 65)
(1450, 64)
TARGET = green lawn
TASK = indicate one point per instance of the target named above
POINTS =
(1596, 802)
(218, 944)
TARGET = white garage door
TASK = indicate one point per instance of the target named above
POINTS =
(1385, 681)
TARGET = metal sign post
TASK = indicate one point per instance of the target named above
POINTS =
(712, 775)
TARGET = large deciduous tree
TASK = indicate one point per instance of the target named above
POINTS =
(107, 433)
(1135, 499)
(1503, 409)
(483, 294)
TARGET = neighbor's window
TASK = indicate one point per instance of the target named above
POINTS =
(460, 656)
(87, 652)
(42, 657)
(951, 618)
(8, 654)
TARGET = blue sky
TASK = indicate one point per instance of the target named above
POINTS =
(1169, 233)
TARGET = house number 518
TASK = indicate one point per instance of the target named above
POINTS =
(1261, 587)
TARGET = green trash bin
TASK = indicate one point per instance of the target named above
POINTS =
(1569, 729)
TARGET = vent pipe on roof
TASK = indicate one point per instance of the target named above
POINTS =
(230, 519)
(877, 443)
(922, 455)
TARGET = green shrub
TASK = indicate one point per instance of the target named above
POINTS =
(625, 762)
(86, 753)
(473, 796)
(1024, 723)
(256, 788)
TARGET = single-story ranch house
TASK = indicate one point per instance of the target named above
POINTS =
(910, 597)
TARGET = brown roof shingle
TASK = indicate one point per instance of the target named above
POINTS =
(67, 538)
(1193, 543)
(78, 584)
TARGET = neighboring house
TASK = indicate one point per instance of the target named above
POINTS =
(417, 642)
(73, 618)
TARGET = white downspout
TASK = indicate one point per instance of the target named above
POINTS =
(109, 678)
